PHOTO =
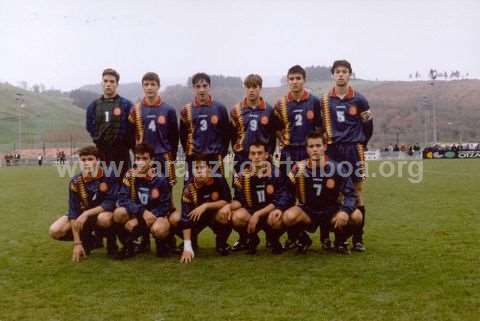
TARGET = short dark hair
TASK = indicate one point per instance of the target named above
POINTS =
(144, 149)
(200, 76)
(297, 69)
(258, 144)
(317, 133)
(111, 72)
(89, 150)
(152, 77)
(253, 80)
(341, 63)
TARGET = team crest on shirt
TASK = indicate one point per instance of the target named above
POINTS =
(237, 147)
(162, 120)
(353, 110)
(117, 111)
(103, 187)
(214, 119)
(310, 114)
(330, 183)
(155, 193)
(215, 196)
(270, 189)
(264, 120)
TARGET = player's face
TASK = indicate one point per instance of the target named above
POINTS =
(201, 170)
(341, 76)
(253, 93)
(150, 88)
(202, 89)
(109, 85)
(88, 164)
(142, 162)
(315, 148)
(257, 155)
(296, 82)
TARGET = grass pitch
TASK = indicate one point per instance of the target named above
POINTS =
(422, 262)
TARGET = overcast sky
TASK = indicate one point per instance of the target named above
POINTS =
(66, 44)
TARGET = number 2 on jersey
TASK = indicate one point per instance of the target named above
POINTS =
(298, 120)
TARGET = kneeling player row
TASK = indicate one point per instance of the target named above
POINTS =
(314, 194)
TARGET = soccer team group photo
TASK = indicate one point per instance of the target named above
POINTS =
(239, 160)
(298, 166)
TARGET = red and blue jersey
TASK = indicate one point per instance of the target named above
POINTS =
(205, 128)
(252, 124)
(196, 194)
(255, 192)
(157, 126)
(346, 120)
(319, 188)
(89, 192)
(297, 118)
(140, 193)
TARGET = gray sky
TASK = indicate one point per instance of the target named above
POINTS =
(66, 44)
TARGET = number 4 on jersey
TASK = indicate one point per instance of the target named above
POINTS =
(152, 126)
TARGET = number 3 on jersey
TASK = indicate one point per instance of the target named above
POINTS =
(203, 125)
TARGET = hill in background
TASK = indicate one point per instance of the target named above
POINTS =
(402, 109)
(48, 117)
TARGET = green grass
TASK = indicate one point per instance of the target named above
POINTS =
(422, 262)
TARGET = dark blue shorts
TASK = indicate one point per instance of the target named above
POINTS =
(319, 217)
(205, 220)
(352, 156)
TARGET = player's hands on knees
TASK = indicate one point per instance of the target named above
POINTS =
(130, 225)
(149, 217)
(78, 253)
(197, 212)
(276, 214)
(187, 257)
(252, 223)
(341, 220)
(226, 213)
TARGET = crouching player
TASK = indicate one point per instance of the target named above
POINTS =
(145, 203)
(91, 202)
(259, 191)
(318, 183)
(202, 199)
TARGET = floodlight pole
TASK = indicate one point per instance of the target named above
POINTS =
(19, 103)
(433, 76)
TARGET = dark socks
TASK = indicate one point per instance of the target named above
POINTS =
(358, 233)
